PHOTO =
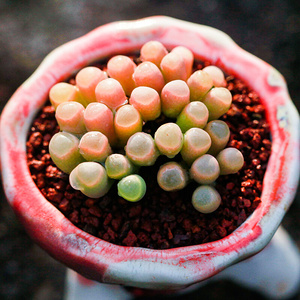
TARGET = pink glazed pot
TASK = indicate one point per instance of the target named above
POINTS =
(139, 267)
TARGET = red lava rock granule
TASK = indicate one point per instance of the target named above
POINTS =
(162, 220)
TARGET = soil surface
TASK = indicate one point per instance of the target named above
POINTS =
(31, 29)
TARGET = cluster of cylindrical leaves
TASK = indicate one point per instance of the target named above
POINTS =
(105, 110)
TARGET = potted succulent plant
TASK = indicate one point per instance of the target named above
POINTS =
(124, 117)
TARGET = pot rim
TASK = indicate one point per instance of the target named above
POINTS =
(103, 261)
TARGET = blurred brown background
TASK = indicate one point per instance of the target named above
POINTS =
(29, 30)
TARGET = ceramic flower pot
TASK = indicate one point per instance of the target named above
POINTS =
(155, 269)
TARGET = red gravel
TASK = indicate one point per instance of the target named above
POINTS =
(162, 219)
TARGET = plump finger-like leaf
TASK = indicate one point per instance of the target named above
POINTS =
(141, 149)
(64, 151)
(218, 101)
(132, 188)
(169, 139)
(69, 116)
(196, 142)
(110, 92)
(219, 133)
(98, 117)
(206, 199)
(118, 166)
(231, 160)
(173, 67)
(175, 95)
(205, 169)
(121, 68)
(91, 179)
(187, 56)
(64, 92)
(172, 176)
(194, 114)
(153, 51)
(94, 146)
(127, 121)
(147, 101)
(199, 83)
(217, 75)
(148, 74)
(86, 80)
